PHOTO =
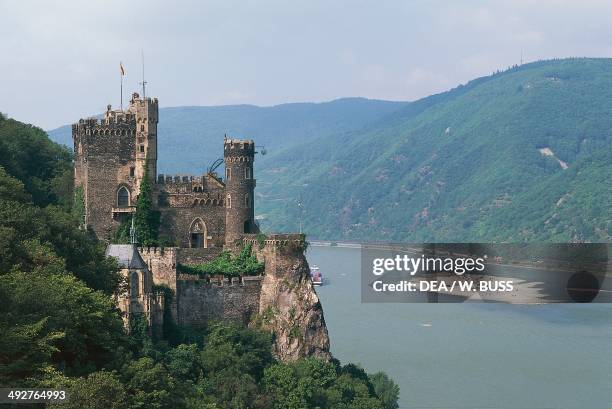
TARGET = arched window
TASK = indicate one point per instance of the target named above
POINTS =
(123, 197)
(228, 173)
(197, 234)
(247, 200)
(134, 284)
(228, 201)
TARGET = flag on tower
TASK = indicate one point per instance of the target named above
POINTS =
(121, 68)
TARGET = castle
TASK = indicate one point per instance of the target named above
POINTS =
(200, 217)
(112, 156)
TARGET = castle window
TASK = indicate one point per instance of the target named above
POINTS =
(134, 284)
(228, 173)
(247, 173)
(123, 197)
(141, 148)
(228, 202)
(142, 128)
(132, 171)
(247, 200)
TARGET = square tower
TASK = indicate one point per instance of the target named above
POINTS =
(111, 155)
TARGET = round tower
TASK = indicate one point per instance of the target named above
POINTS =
(239, 188)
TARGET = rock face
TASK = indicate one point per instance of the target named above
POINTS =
(289, 306)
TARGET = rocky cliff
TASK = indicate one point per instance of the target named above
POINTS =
(289, 306)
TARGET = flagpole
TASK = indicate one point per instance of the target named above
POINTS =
(121, 75)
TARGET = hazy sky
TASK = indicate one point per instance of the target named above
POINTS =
(60, 59)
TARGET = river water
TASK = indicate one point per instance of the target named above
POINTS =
(472, 356)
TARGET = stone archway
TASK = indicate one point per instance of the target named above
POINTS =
(198, 234)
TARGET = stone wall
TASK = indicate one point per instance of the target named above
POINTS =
(104, 155)
(162, 265)
(177, 223)
(198, 255)
(204, 301)
(196, 301)
(185, 201)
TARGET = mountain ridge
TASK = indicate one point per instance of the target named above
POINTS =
(467, 167)
(197, 126)
(463, 165)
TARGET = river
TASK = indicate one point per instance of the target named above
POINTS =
(472, 356)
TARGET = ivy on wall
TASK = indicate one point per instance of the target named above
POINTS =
(146, 219)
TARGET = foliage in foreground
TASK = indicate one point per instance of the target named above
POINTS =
(244, 264)
(229, 367)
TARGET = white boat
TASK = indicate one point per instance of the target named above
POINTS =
(316, 276)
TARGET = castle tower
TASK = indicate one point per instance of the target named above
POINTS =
(239, 188)
(110, 156)
(147, 115)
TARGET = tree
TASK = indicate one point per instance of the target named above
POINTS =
(54, 320)
(100, 390)
(386, 390)
(150, 385)
(146, 220)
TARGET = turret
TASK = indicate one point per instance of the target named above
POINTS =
(239, 188)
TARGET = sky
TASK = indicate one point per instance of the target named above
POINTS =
(60, 59)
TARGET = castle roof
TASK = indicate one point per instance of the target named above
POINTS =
(127, 256)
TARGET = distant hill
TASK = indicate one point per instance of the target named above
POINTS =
(524, 154)
(191, 138)
(521, 155)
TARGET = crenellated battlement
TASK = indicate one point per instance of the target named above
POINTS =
(211, 282)
(114, 122)
(274, 240)
(218, 299)
(114, 127)
(158, 251)
(239, 147)
(164, 179)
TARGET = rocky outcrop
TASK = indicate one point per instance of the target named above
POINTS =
(289, 306)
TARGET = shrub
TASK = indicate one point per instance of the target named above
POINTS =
(245, 264)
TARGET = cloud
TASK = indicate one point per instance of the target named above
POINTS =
(61, 57)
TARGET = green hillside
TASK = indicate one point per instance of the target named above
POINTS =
(480, 162)
(191, 138)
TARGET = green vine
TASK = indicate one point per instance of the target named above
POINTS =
(146, 220)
